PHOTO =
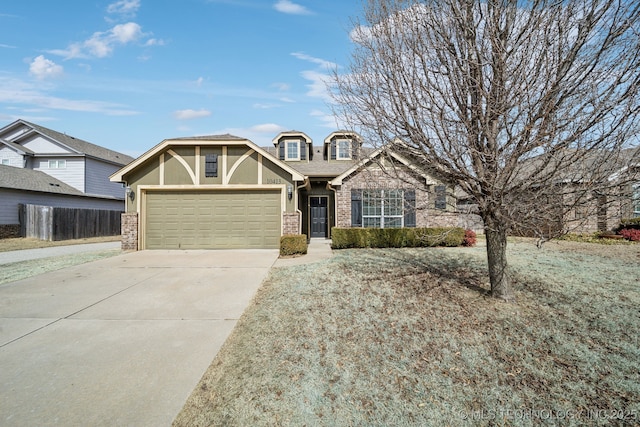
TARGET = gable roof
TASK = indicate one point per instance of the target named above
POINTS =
(386, 150)
(292, 133)
(16, 147)
(77, 145)
(215, 140)
(31, 180)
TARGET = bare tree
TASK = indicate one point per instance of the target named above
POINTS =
(524, 105)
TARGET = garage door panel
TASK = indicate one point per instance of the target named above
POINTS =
(211, 220)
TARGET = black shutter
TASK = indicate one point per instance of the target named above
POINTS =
(356, 208)
(281, 145)
(333, 149)
(303, 150)
(409, 208)
(210, 165)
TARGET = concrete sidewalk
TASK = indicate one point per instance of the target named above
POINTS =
(120, 341)
(318, 250)
(29, 254)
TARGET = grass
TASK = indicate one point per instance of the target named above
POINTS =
(409, 337)
(21, 270)
(20, 243)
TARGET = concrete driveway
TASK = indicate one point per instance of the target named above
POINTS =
(120, 341)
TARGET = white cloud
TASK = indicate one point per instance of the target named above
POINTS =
(318, 85)
(286, 6)
(282, 86)
(324, 64)
(102, 43)
(7, 46)
(124, 7)
(191, 114)
(328, 120)
(260, 134)
(268, 128)
(42, 68)
(261, 106)
(14, 91)
(199, 81)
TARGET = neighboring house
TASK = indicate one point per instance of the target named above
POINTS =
(45, 167)
(225, 192)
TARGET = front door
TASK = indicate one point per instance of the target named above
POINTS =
(319, 216)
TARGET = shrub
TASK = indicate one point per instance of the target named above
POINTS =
(469, 238)
(630, 234)
(344, 238)
(293, 244)
(629, 223)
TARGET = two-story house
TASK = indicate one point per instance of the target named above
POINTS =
(226, 192)
(41, 166)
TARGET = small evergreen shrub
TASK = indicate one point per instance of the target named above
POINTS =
(344, 238)
(469, 238)
(629, 223)
(630, 234)
(293, 244)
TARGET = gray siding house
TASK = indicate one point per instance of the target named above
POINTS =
(44, 167)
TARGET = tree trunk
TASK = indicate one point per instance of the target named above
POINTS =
(497, 257)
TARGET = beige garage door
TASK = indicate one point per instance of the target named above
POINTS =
(213, 220)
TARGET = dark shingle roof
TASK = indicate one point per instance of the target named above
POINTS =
(81, 146)
(318, 167)
(31, 180)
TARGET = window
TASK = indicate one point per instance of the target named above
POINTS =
(57, 164)
(440, 197)
(292, 150)
(343, 149)
(388, 208)
(636, 200)
(5, 161)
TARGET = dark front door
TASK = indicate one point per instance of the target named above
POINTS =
(318, 216)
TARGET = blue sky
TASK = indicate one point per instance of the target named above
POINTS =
(126, 74)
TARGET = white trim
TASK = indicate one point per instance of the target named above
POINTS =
(197, 171)
(161, 159)
(259, 169)
(119, 175)
(184, 163)
(224, 165)
(349, 143)
(286, 143)
(244, 157)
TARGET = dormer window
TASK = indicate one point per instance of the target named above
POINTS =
(292, 149)
(343, 149)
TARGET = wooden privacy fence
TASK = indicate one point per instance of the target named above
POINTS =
(54, 223)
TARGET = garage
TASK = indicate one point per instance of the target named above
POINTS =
(220, 219)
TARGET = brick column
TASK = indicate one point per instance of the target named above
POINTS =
(129, 227)
(290, 223)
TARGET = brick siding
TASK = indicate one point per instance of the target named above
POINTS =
(290, 223)
(129, 231)
(376, 178)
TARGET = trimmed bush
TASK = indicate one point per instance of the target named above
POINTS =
(629, 223)
(344, 238)
(293, 244)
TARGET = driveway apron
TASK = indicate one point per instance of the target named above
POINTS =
(120, 341)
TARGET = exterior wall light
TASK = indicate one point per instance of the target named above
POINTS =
(290, 191)
(130, 194)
